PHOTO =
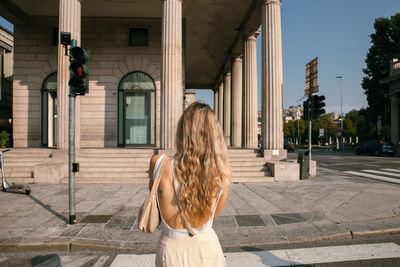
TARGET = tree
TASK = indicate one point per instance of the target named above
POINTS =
(294, 129)
(324, 122)
(349, 130)
(385, 46)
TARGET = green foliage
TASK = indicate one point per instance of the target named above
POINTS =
(365, 128)
(4, 138)
(385, 46)
(349, 130)
(324, 122)
(294, 128)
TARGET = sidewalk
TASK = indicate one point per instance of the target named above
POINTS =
(332, 206)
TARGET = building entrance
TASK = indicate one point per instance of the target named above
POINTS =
(136, 110)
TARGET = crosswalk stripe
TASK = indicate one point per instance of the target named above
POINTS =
(391, 170)
(376, 177)
(285, 257)
(383, 173)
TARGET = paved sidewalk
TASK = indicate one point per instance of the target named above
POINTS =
(332, 206)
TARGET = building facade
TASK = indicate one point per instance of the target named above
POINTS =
(144, 55)
(6, 77)
(394, 84)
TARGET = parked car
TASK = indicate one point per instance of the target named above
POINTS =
(376, 147)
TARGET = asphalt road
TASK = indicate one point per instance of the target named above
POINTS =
(382, 169)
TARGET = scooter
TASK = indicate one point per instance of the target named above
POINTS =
(5, 186)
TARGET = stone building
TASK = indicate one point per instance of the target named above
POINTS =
(144, 55)
(6, 75)
(394, 84)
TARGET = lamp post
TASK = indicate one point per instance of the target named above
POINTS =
(341, 115)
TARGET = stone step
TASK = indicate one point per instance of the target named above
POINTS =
(20, 180)
(18, 174)
(106, 180)
(111, 174)
(143, 169)
(20, 164)
(234, 161)
(243, 150)
(260, 179)
(116, 151)
(253, 162)
(104, 164)
(24, 159)
(114, 160)
(257, 167)
(244, 155)
(250, 174)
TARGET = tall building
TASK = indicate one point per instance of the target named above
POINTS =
(6, 76)
(144, 55)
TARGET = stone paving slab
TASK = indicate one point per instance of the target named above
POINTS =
(329, 207)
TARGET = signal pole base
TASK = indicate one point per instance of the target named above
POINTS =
(72, 219)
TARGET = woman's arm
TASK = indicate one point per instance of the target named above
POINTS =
(151, 169)
(224, 196)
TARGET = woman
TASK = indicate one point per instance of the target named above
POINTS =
(192, 192)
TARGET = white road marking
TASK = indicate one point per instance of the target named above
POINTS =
(285, 256)
(391, 170)
(376, 177)
(383, 173)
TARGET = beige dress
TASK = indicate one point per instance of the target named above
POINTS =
(176, 248)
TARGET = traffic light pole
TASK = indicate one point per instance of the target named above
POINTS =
(71, 152)
(309, 148)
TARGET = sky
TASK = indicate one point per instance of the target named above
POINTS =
(335, 31)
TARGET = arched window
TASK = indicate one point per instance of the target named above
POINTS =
(49, 111)
(136, 110)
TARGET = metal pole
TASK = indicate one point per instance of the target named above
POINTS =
(341, 114)
(71, 153)
(309, 148)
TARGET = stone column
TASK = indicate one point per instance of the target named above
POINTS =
(221, 104)
(227, 108)
(237, 101)
(272, 121)
(216, 102)
(395, 110)
(250, 104)
(171, 80)
(69, 21)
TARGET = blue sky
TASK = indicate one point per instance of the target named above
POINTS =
(337, 32)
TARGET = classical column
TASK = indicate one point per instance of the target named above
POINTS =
(221, 104)
(237, 101)
(216, 102)
(171, 80)
(272, 121)
(249, 137)
(69, 21)
(395, 110)
(227, 108)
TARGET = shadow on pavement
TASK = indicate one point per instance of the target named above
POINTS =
(51, 260)
(49, 209)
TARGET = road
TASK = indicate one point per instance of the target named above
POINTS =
(382, 169)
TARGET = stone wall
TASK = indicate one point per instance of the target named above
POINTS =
(35, 57)
(111, 59)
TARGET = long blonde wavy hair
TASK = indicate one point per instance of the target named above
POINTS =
(200, 162)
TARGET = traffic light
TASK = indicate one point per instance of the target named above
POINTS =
(316, 106)
(306, 110)
(79, 70)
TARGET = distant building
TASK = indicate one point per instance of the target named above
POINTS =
(293, 113)
(394, 85)
(6, 77)
(190, 97)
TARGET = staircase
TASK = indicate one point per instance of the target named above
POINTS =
(19, 163)
(113, 165)
(122, 165)
(248, 165)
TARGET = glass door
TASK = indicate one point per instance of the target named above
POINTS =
(137, 119)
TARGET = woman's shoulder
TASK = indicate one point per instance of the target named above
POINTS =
(155, 157)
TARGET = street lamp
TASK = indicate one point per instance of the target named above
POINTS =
(341, 114)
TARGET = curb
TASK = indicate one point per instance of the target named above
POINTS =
(150, 247)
